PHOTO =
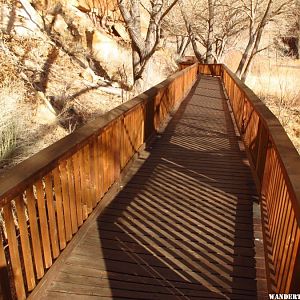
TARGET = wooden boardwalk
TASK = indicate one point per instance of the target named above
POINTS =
(185, 226)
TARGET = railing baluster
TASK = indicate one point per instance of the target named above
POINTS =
(96, 168)
(51, 216)
(84, 188)
(65, 199)
(70, 175)
(92, 182)
(59, 209)
(35, 234)
(285, 270)
(294, 270)
(43, 223)
(78, 188)
(100, 165)
(26, 250)
(13, 251)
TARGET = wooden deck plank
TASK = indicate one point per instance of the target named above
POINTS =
(185, 226)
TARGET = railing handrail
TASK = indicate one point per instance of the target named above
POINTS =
(25, 173)
(286, 150)
(275, 163)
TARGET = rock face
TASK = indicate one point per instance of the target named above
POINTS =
(102, 6)
(110, 53)
(23, 20)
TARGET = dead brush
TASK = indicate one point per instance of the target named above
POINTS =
(276, 82)
(12, 94)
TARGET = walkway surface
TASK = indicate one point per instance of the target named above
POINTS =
(186, 226)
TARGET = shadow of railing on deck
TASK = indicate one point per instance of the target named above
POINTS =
(180, 228)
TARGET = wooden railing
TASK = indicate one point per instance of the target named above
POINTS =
(276, 168)
(45, 199)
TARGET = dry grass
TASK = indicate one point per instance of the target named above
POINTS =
(277, 83)
(12, 95)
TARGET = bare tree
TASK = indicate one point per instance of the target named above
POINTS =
(174, 26)
(190, 30)
(213, 25)
(259, 14)
(143, 48)
(210, 35)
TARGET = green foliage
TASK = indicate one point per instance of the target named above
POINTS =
(8, 139)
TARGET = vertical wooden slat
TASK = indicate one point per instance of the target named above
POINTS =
(100, 167)
(276, 205)
(288, 274)
(269, 183)
(4, 282)
(270, 196)
(110, 156)
(35, 234)
(263, 144)
(72, 199)
(117, 149)
(105, 160)
(78, 188)
(96, 168)
(84, 189)
(112, 152)
(277, 211)
(281, 226)
(88, 188)
(43, 223)
(52, 216)
(295, 270)
(66, 200)
(59, 209)
(14, 251)
(26, 250)
(284, 269)
(92, 173)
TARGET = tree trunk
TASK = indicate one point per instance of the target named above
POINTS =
(195, 48)
(256, 42)
(245, 57)
(189, 30)
(185, 47)
(143, 49)
(136, 63)
(210, 37)
(182, 45)
(252, 54)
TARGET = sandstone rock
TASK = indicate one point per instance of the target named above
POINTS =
(83, 6)
(120, 29)
(105, 48)
(87, 74)
(60, 25)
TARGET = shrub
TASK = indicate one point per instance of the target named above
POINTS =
(8, 139)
